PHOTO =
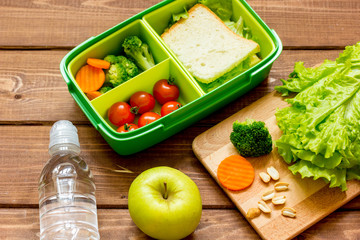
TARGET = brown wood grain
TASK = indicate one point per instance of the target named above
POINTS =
(307, 23)
(23, 223)
(34, 37)
(47, 24)
(32, 88)
(311, 23)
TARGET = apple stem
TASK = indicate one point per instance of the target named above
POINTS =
(165, 196)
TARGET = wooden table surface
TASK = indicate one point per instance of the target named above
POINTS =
(35, 36)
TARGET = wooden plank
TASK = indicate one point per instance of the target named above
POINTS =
(313, 200)
(23, 223)
(311, 23)
(62, 23)
(33, 89)
(307, 23)
(24, 153)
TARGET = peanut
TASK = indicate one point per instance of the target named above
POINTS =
(268, 195)
(278, 200)
(274, 174)
(264, 177)
(281, 186)
(264, 207)
(253, 213)
(288, 212)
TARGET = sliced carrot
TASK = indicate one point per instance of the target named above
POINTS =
(93, 95)
(98, 63)
(235, 173)
(90, 78)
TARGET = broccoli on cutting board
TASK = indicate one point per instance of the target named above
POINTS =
(251, 138)
(139, 52)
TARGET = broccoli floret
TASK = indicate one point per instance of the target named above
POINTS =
(105, 89)
(112, 59)
(116, 74)
(131, 69)
(251, 138)
(139, 52)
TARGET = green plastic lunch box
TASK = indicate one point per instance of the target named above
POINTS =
(197, 103)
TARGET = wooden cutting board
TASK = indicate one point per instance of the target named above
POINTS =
(312, 200)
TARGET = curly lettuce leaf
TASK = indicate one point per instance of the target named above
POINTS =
(222, 8)
(353, 173)
(350, 54)
(243, 66)
(292, 150)
(175, 17)
(240, 28)
(336, 177)
(302, 77)
(321, 128)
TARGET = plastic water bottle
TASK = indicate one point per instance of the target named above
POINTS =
(66, 189)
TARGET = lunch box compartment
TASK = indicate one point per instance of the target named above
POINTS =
(112, 44)
(145, 82)
(149, 25)
(127, 143)
(158, 21)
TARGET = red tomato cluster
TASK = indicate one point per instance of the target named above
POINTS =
(122, 114)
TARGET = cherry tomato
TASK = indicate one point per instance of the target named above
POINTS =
(147, 118)
(143, 101)
(169, 107)
(165, 90)
(120, 113)
(127, 127)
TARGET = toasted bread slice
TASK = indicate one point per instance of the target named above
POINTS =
(206, 46)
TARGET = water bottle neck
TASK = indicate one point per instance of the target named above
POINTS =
(63, 148)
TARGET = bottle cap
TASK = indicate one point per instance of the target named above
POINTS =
(63, 131)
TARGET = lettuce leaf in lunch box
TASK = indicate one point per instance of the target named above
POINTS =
(175, 17)
(222, 8)
(321, 127)
(246, 64)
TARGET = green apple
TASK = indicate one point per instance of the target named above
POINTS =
(165, 203)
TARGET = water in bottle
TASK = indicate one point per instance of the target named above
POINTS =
(66, 189)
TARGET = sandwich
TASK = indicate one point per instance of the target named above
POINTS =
(206, 46)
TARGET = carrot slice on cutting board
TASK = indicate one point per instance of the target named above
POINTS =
(98, 63)
(235, 173)
(90, 78)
